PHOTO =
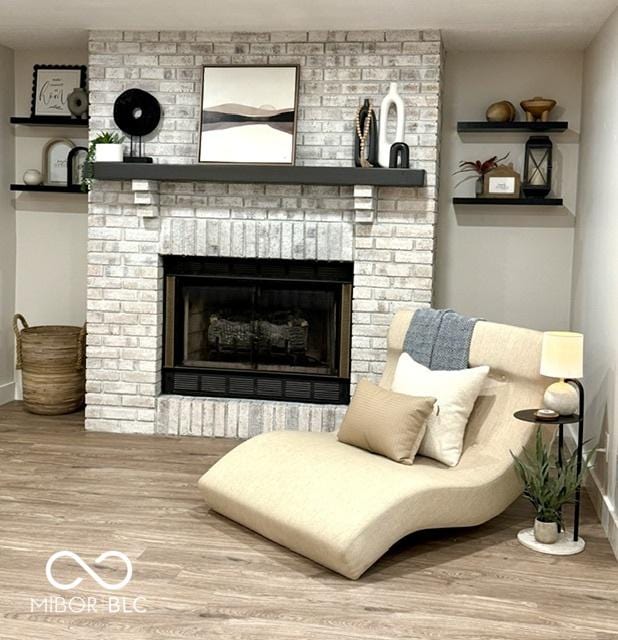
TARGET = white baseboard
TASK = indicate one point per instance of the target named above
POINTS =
(7, 392)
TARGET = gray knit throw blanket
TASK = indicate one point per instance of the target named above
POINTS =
(440, 339)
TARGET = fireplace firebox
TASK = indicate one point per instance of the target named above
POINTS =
(262, 329)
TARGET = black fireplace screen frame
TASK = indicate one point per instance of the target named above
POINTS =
(183, 271)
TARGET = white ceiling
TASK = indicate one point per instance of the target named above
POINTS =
(466, 24)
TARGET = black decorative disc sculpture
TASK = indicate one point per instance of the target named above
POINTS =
(137, 113)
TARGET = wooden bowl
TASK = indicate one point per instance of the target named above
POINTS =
(537, 108)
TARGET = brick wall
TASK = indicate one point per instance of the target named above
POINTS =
(393, 256)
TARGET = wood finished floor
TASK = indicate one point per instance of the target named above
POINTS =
(205, 577)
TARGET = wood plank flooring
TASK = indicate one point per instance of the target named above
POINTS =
(202, 576)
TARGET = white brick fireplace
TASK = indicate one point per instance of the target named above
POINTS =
(393, 255)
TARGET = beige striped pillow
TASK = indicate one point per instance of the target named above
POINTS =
(390, 424)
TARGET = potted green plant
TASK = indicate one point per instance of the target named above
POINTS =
(104, 147)
(549, 485)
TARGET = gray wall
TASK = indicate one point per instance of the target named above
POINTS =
(595, 269)
(507, 264)
(7, 227)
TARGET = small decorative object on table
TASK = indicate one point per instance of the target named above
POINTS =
(78, 103)
(501, 182)
(137, 113)
(392, 100)
(400, 156)
(479, 169)
(365, 136)
(537, 167)
(55, 156)
(51, 86)
(503, 111)
(546, 414)
(537, 109)
(33, 177)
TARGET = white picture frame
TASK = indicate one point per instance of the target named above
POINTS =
(51, 86)
(55, 161)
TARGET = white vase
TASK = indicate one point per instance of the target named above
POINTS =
(391, 100)
(108, 153)
(545, 532)
(32, 177)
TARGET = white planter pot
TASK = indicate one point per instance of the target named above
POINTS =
(545, 532)
(108, 153)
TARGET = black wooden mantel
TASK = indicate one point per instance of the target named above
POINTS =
(267, 174)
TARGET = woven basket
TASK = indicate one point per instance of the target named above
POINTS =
(52, 360)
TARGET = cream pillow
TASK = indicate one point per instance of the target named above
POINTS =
(456, 393)
(380, 421)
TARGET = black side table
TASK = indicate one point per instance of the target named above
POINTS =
(528, 415)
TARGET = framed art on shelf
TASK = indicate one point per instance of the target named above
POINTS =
(55, 161)
(51, 86)
(249, 114)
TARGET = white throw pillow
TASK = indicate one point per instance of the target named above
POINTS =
(455, 391)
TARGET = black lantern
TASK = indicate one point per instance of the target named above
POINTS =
(536, 181)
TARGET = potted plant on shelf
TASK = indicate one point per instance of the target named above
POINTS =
(549, 485)
(105, 147)
(479, 169)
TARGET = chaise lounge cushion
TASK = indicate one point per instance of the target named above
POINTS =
(387, 423)
(456, 393)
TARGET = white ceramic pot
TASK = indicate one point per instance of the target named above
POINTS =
(32, 177)
(545, 532)
(108, 153)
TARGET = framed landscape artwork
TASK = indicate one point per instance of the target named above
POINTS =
(249, 114)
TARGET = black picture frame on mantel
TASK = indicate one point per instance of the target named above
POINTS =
(51, 86)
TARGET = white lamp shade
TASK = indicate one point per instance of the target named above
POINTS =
(562, 355)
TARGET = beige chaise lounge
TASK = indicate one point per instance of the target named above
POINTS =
(344, 507)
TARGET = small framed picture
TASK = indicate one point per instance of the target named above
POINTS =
(249, 114)
(502, 182)
(51, 86)
(76, 161)
(56, 161)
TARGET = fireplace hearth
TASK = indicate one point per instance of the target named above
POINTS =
(261, 329)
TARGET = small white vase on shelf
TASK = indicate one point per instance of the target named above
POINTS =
(33, 177)
(391, 100)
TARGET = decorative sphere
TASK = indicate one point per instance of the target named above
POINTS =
(32, 177)
(561, 397)
(503, 111)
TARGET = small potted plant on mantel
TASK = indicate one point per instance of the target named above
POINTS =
(105, 147)
(549, 485)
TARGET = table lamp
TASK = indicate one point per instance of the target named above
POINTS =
(562, 357)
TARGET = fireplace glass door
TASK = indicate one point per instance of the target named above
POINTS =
(258, 329)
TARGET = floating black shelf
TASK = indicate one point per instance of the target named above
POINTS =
(47, 188)
(537, 127)
(49, 121)
(522, 202)
(249, 173)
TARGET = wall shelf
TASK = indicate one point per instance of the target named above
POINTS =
(48, 188)
(260, 174)
(48, 121)
(530, 202)
(531, 127)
